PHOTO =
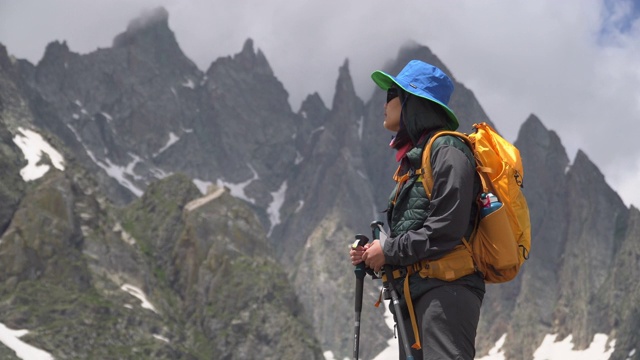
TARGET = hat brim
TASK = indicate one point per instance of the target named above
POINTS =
(385, 81)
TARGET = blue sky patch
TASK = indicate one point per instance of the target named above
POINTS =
(618, 17)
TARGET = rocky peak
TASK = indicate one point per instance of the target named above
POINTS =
(313, 108)
(533, 127)
(55, 49)
(5, 61)
(55, 55)
(248, 71)
(255, 61)
(150, 37)
(541, 150)
(150, 26)
(585, 169)
(345, 93)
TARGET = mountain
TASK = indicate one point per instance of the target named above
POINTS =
(198, 216)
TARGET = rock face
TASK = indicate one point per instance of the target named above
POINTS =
(212, 256)
(191, 256)
(256, 266)
(11, 158)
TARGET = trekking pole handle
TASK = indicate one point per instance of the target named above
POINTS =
(375, 229)
(359, 270)
(361, 273)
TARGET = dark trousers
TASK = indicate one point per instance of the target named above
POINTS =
(447, 318)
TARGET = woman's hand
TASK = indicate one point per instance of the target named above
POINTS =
(356, 253)
(373, 256)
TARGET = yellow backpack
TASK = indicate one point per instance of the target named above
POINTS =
(502, 239)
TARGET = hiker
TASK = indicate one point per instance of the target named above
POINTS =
(446, 312)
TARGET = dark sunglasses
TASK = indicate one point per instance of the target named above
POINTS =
(392, 93)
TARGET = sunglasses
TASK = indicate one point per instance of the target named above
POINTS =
(392, 93)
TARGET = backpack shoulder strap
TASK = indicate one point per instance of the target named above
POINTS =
(426, 171)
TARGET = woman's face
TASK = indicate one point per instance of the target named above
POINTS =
(392, 110)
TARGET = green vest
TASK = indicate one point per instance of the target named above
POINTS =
(411, 203)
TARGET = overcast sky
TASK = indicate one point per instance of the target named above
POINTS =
(573, 63)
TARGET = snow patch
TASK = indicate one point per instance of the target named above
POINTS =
(189, 84)
(360, 127)
(173, 138)
(300, 205)
(33, 146)
(202, 185)
(550, 349)
(136, 292)
(299, 158)
(119, 173)
(158, 173)
(328, 355)
(115, 171)
(496, 352)
(237, 190)
(274, 208)
(11, 338)
(82, 109)
(107, 116)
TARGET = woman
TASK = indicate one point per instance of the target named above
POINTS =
(423, 230)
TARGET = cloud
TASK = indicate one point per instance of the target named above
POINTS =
(573, 63)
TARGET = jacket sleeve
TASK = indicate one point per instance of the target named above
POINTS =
(448, 213)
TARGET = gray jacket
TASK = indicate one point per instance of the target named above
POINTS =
(423, 229)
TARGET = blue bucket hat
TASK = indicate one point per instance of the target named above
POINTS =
(423, 80)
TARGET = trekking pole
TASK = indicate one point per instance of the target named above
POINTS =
(360, 272)
(376, 229)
